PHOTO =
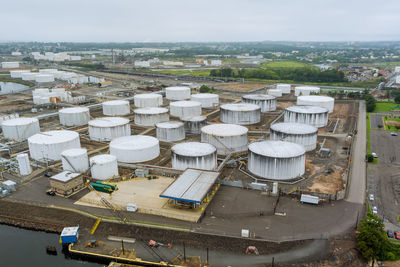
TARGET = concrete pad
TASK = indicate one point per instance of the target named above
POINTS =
(145, 194)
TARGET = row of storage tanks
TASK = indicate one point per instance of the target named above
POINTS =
(49, 75)
(216, 139)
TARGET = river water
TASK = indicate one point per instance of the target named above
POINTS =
(20, 248)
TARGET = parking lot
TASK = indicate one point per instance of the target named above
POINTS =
(384, 177)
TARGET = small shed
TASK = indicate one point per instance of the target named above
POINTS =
(9, 185)
(66, 183)
(70, 235)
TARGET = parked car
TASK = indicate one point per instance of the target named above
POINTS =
(390, 233)
(371, 197)
(393, 134)
(374, 154)
(397, 235)
(375, 210)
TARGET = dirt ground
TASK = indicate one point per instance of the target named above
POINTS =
(241, 86)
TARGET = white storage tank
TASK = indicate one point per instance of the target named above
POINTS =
(103, 166)
(206, 100)
(306, 90)
(316, 100)
(116, 107)
(299, 133)
(185, 108)
(44, 78)
(150, 116)
(23, 164)
(135, 148)
(170, 131)
(312, 115)
(227, 138)
(107, 128)
(75, 116)
(29, 76)
(177, 93)
(47, 146)
(75, 160)
(18, 73)
(265, 102)
(285, 88)
(20, 128)
(277, 160)
(241, 113)
(148, 100)
(275, 92)
(193, 124)
(194, 155)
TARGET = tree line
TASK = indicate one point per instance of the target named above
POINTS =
(293, 74)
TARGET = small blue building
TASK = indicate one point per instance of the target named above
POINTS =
(70, 235)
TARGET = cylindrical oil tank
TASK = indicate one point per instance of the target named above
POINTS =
(135, 148)
(75, 116)
(306, 90)
(47, 146)
(185, 108)
(206, 100)
(193, 124)
(44, 78)
(194, 155)
(227, 138)
(107, 128)
(150, 116)
(116, 107)
(285, 88)
(265, 102)
(75, 160)
(148, 100)
(103, 166)
(177, 93)
(299, 133)
(20, 128)
(312, 115)
(241, 113)
(316, 100)
(170, 131)
(18, 73)
(277, 160)
(275, 92)
(24, 164)
(28, 76)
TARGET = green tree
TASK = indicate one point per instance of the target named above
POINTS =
(204, 89)
(369, 157)
(397, 99)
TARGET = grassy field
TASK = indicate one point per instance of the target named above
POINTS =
(389, 127)
(385, 106)
(284, 64)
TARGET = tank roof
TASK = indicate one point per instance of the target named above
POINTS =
(307, 109)
(169, 124)
(19, 121)
(205, 95)
(294, 128)
(115, 102)
(53, 137)
(177, 88)
(240, 107)
(134, 142)
(307, 87)
(74, 152)
(193, 149)
(148, 96)
(103, 158)
(277, 149)
(223, 129)
(74, 110)
(185, 103)
(150, 110)
(108, 122)
(194, 118)
(316, 98)
(259, 97)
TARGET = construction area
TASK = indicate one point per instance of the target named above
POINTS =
(135, 151)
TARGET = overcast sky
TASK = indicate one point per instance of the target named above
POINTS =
(201, 20)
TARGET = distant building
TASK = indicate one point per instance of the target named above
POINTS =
(216, 62)
(173, 63)
(10, 65)
(16, 53)
(142, 64)
(397, 69)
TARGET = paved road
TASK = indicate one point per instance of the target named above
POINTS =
(357, 183)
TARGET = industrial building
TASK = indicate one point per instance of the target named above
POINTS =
(66, 183)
